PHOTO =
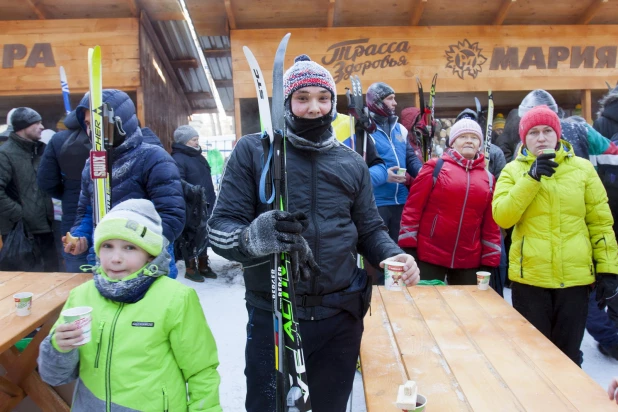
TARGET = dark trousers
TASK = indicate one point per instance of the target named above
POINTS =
(47, 246)
(331, 347)
(430, 271)
(599, 325)
(559, 314)
(391, 215)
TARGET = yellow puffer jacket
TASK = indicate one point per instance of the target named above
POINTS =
(563, 225)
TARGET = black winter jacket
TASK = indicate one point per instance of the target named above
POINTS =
(60, 171)
(333, 188)
(194, 169)
(20, 197)
(607, 121)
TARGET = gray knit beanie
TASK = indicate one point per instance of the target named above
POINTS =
(24, 117)
(184, 133)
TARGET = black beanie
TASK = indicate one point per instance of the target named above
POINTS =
(24, 117)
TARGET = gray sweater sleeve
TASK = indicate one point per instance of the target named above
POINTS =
(57, 368)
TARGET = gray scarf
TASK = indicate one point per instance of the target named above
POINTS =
(326, 142)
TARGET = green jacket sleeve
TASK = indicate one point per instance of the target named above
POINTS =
(512, 197)
(195, 351)
(599, 221)
(597, 143)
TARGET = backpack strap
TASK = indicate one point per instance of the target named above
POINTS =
(491, 181)
(436, 171)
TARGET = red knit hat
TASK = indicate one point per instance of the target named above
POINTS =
(540, 115)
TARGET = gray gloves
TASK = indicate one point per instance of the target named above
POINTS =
(276, 232)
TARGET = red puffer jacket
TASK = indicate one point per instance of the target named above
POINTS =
(450, 223)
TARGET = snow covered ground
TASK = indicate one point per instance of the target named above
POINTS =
(224, 306)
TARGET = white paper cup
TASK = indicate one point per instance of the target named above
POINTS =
(482, 280)
(401, 171)
(392, 275)
(23, 303)
(421, 403)
(82, 317)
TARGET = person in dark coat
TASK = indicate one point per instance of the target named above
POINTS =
(60, 176)
(20, 197)
(509, 139)
(331, 217)
(607, 116)
(139, 171)
(194, 169)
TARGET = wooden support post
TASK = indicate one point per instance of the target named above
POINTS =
(331, 13)
(417, 11)
(141, 110)
(591, 11)
(504, 9)
(237, 125)
(134, 7)
(230, 14)
(587, 105)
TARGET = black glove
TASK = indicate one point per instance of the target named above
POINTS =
(274, 232)
(543, 166)
(607, 288)
(357, 109)
(303, 264)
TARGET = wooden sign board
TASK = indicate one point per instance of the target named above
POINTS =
(32, 52)
(466, 58)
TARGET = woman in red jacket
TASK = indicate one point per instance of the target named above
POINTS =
(447, 217)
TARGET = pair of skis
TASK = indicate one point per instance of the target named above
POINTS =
(356, 96)
(427, 113)
(292, 388)
(490, 121)
(104, 127)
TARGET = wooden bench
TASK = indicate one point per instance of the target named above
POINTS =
(468, 350)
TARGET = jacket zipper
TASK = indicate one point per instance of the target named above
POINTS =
(99, 342)
(433, 226)
(108, 361)
(166, 404)
(316, 243)
(521, 258)
(398, 164)
(461, 218)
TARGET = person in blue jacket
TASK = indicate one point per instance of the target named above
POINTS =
(391, 141)
(139, 171)
(60, 176)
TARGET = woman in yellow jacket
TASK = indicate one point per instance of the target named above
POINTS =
(562, 232)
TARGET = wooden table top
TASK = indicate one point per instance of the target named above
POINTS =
(468, 350)
(50, 291)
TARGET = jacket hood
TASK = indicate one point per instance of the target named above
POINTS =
(409, 116)
(608, 105)
(121, 103)
(150, 137)
(71, 121)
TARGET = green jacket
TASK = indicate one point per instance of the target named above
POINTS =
(142, 355)
(562, 225)
(20, 196)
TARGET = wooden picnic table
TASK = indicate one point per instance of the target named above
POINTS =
(468, 350)
(50, 291)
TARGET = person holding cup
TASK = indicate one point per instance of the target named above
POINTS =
(134, 338)
(447, 220)
(562, 232)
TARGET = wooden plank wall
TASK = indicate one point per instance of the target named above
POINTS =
(427, 52)
(69, 41)
(161, 105)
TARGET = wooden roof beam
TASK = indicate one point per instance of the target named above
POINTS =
(217, 53)
(185, 64)
(502, 13)
(331, 13)
(417, 11)
(591, 11)
(134, 7)
(36, 8)
(231, 20)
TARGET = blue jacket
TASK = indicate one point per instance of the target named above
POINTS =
(139, 171)
(60, 171)
(395, 150)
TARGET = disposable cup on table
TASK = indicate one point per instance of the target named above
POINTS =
(23, 303)
(392, 275)
(482, 280)
(82, 317)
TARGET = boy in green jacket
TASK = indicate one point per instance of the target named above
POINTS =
(143, 353)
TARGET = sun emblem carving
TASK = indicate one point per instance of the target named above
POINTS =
(465, 57)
